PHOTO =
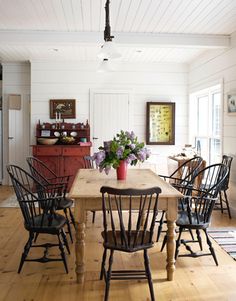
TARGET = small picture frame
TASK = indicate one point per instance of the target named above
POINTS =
(62, 108)
(231, 103)
(160, 128)
(45, 133)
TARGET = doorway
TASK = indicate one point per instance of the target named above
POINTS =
(109, 113)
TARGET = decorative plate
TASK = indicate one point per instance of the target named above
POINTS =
(57, 134)
(73, 134)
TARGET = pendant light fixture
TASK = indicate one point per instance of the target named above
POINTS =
(104, 66)
(108, 50)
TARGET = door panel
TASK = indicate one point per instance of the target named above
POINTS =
(18, 134)
(110, 114)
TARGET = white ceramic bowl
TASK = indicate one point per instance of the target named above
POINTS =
(47, 141)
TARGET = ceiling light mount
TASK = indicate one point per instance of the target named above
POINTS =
(107, 31)
(108, 49)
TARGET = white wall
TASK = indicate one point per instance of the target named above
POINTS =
(148, 82)
(210, 69)
(16, 80)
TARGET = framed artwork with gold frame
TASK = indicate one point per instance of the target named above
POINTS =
(66, 108)
(160, 129)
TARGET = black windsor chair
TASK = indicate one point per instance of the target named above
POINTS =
(227, 160)
(38, 210)
(181, 177)
(88, 162)
(195, 210)
(43, 174)
(123, 231)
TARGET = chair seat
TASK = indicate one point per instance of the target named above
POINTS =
(64, 203)
(141, 242)
(196, 223)
(46, 224)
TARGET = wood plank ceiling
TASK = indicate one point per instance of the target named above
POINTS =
(133, 17)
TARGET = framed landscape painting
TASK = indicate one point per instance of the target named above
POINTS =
(160, 123)
(66, 108)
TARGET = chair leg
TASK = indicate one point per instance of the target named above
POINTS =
(178, 242)
(72, 217)
(108, 276)
(227, 203)
(26, 251)
(36, 237)
(160, 225)
(63, 235)
(148, 274)
(191, 233)
(164, 243)
(210, 247)
(94, 213)
(63, 255)
(221, 202)
(103, 263)
(199, 238)
(68, 225)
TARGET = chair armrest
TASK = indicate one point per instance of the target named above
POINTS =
(52, 190)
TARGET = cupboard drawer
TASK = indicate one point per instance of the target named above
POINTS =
(47, 151)
(76, 151)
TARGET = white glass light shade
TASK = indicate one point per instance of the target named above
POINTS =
(104, 66)
(109, 51)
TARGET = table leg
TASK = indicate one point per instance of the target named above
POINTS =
(170, 267)
(79, 251)
(80, 217)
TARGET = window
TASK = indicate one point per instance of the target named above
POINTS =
(205, 123)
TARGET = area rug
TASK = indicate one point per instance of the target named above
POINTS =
(10, 202)
(226, 238)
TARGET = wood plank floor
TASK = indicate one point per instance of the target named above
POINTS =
(195, 279)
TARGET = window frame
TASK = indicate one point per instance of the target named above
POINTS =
(194, 118)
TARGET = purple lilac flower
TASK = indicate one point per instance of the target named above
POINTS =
(131, 158)
(120, 152)
(132, 146)
(142, 155)
(99, 157)
(130, 135)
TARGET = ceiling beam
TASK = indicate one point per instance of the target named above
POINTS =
(123, 39)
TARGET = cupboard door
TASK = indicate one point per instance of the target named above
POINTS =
(52, 162)
(71, 167)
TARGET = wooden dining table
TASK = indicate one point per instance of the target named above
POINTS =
(86, 194)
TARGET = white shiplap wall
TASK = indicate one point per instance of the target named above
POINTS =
(208, 70)
(154, 82)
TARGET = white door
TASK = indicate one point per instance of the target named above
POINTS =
(18, 135)
(109, 113)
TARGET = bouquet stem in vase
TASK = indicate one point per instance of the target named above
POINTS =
(121, 170)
